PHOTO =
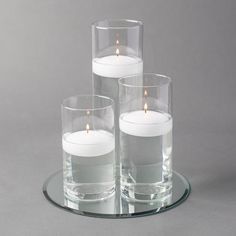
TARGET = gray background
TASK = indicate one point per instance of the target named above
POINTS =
(45, 56)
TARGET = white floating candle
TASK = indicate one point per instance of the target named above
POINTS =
(117, 66)
(145, 124)
(88, 143)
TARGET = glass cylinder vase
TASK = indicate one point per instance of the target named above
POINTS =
(88, 144)
(146, 137)
(117, 51)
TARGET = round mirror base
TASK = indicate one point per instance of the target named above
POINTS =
(115, 206)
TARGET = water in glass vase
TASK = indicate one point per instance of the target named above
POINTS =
(106, 73)
(108, 87)
(89, 170)
(146, 166)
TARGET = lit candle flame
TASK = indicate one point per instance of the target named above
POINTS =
(87, 128)
(117, 42)
(145, 107)
(88, 113)
(117, 52)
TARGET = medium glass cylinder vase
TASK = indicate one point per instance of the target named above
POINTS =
(146, 137)
(117, 51)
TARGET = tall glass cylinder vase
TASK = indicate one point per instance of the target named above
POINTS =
(117, 51)
(146, 137)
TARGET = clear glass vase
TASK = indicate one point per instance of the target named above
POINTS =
(146, 137)
(88, 145)
(117, 51)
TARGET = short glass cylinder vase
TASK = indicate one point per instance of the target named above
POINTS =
(88, 145)
(117, 51)
(145, 137)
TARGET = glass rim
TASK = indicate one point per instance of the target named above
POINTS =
(81, 96)
(156, 76)
(136, 23)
